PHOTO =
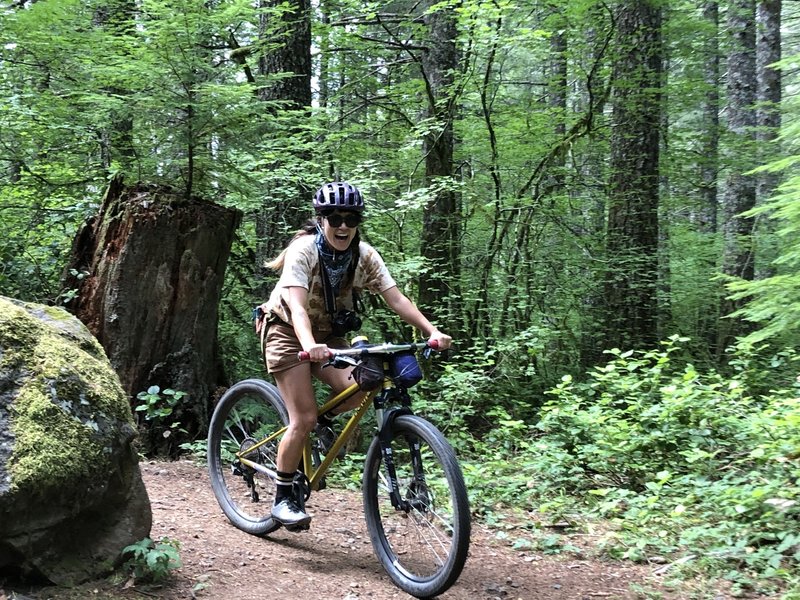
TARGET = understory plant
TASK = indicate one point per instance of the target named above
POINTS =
(151, 562)
(688, 465)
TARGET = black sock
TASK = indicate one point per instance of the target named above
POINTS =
(283, 485)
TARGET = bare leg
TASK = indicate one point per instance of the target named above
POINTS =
(297, 391)
(338, 380)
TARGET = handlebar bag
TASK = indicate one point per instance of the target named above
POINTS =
(405, 369)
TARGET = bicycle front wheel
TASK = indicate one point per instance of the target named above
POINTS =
(422, 543)
(247, 413)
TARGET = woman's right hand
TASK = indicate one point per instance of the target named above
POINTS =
(318, 352)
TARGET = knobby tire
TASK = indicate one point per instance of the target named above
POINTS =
(246, 413)
(422, 548)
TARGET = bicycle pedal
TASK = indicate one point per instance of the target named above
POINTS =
(298, 528)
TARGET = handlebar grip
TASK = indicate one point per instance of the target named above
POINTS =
(303, 356)
(433, 344)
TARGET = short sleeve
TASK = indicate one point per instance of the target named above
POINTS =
(372, 273)
(298, 264)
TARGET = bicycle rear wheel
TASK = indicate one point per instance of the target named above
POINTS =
(247, 413)
(423, 545)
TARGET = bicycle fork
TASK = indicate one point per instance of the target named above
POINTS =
(385, 438)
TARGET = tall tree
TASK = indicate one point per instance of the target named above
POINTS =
(768, 114)
(118, 17)
(709, 152)
(740, 187)
(438, 285)
(284, 67)
(285, 35)
(557, 95)
(632, 238)
(709, 164)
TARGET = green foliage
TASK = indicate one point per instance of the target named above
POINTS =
(683, 462)
(450, 402)
(152, 562)
(654, 440)
(771, 301)
(197, 450)
(156, 404)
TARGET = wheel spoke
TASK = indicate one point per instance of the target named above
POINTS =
(422, 546)
(241, 469)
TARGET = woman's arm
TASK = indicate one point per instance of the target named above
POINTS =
(409, 312)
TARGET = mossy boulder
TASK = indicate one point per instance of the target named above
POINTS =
(71, 493)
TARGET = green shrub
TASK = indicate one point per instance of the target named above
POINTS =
(687, 465)
(150, 561)
(681, 461)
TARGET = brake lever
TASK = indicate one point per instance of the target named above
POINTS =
(341, 362)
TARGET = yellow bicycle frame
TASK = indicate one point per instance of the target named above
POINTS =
(316, 475)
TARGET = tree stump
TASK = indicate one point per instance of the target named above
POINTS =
(148, 273)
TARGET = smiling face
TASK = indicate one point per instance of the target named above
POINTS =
(340, 228)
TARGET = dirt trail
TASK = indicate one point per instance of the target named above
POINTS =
(334, 560)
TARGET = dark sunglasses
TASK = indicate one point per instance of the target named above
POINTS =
(350, 219)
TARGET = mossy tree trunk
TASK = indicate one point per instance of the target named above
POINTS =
(631, 280)
(148, 273)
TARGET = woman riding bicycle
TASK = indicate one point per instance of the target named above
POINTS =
(313, 305)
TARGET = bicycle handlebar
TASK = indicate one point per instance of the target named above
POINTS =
(303, 356)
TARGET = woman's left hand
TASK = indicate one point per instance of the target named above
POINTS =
(439, 340)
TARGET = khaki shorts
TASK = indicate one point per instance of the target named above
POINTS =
(281, 346)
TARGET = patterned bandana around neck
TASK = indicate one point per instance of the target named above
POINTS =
(334, 262)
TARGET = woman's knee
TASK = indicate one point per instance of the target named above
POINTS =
(303, 423)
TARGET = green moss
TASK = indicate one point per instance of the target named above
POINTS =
(50, 448)
(60, 361)
(67, 414)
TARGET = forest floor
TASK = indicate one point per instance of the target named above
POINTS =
(334, 559)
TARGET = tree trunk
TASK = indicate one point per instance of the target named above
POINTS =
(707, 214)
(117, 145)
(288, 38)
(438, 287)
(592, 98)
(116, 142)
(148, 271)
(709, 156)
(632, 242)
(768, 114)
(740, 196)
(557, 103)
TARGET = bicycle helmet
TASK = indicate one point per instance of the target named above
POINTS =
(339, 194)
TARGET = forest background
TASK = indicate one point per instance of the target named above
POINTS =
(598, 200)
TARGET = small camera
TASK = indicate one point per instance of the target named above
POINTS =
(345, 321)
